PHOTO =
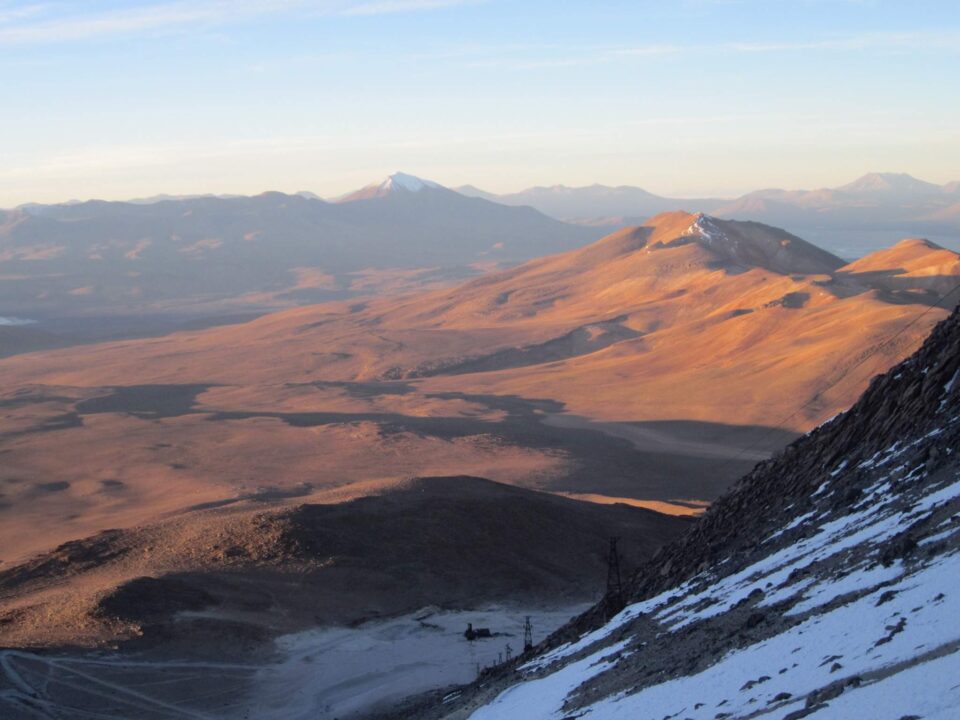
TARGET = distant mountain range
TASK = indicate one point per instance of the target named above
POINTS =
(862, 216)
(163, 261)
(196, 256)
(595, 204)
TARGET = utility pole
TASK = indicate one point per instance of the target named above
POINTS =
(613, 600)
(527, 635)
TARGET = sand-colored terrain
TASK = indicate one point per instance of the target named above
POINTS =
(657, 365)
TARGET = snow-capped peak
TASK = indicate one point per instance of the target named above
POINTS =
(397, 182)
(403, 181)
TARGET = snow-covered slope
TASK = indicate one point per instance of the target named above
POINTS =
(826, 585)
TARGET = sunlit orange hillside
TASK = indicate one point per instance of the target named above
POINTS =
(746, 319)
(655, 364)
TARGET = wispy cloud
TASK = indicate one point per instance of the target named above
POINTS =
(380, 7)
(50, 23)
(930, 40)
(540, 57)
(549, 56)
(11, 13)
(935, 40)
(652, 49)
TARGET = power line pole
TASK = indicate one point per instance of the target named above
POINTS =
(527, 635)
(614, 598)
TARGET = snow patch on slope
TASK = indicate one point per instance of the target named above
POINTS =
(867, 632)
(15, 322)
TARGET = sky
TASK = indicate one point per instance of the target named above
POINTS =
(118, 100)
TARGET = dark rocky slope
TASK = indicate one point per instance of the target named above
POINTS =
(822, 585)
(444, 541)
(902, 404)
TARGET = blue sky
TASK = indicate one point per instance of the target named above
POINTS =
(125, 99)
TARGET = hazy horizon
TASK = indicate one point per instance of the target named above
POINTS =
(699, 98)
(507, 191)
